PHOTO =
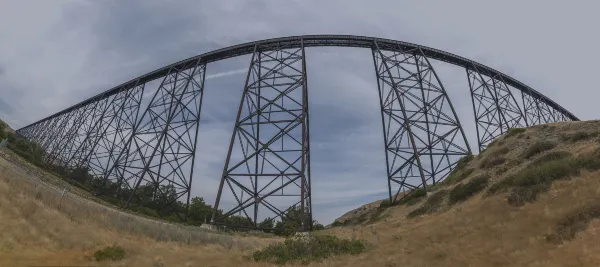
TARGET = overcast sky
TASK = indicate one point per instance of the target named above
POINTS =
(55, 53)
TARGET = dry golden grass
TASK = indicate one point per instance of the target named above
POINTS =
(481, 231)
(39, 226)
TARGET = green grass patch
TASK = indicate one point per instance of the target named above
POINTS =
(527, 184)
(538, 147)
(312, 249)
(456, 177)
(500, 152)
(554, 155)
(579, 136)
(413, 197)
(514, 131)
(112, 253)
(463, 192)
(501, 170)
(489, 162)
(385, 204)
(575, 222)
(433, 203)
(459, 173)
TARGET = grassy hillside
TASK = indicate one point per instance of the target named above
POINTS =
(531, 199)
(6, 127)
(41, 226)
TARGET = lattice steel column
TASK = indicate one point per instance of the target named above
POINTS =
(267, 165)
(422, 134)
(75, 128)
(539, 112)
(162, 149)
(494, 106)
(108, 136)
(102, 148)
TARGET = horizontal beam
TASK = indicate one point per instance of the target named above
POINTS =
(316, 41)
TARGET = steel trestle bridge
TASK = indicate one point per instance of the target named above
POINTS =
(127, 145)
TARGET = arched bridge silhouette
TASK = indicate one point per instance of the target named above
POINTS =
(123, 143)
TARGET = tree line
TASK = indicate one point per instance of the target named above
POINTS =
(155, 200)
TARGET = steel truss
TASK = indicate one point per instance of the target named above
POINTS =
(539, 112)
(268, 163)
(131, 149)
(495, 108)
(161, 150)
(423, 136)
(98, 152)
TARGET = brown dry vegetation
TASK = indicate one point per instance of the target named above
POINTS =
(39, 226)
(559, 228)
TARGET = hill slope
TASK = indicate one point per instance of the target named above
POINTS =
(531, 199)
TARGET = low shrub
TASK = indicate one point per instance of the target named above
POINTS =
(489, 162)
(538, 147)
(527, 184)
(337, 223)
(413, 197)
(523, 194)
(457, 176)
(575, 222)
(433, 203)
(463, 192)
(500, 152)
(514, 131)
(554, 155)
(579, 136)
(384, 204)
(112, 253)
(460, 171)
(310, 249)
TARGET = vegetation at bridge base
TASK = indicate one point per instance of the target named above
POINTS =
(112, 253)
(311, 249)
(537, 177)
(148, 200)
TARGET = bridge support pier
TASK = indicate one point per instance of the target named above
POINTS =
(494, 106)
(268, 162)
(422, 134)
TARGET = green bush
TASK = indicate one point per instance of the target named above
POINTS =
(489, 162)
(433, 203)
(527, 184)
(554, 155)
(384, 204)
(514, 131)
(463, 192)
(413, 197)
(459, 173)
(537, 148)
(337, 223)
(521, 195)
(575, 222)
(110, 253)
(578, 136)
(311, 249)
(500, 152)
(457, 176)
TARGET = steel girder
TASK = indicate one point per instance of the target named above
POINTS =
(81, 126)
(423, 136)
(162, 148)
(494, 106)
(106, 141)
(269, 157)
(538, 111)
(268, 164)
